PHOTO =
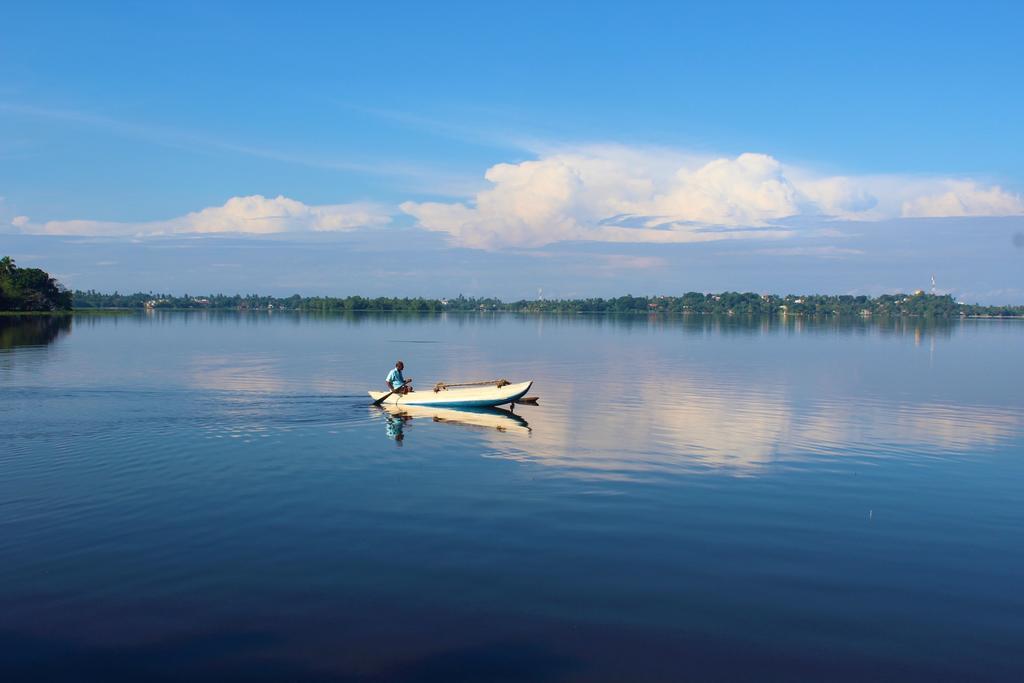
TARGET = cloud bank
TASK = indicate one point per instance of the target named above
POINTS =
(255, 214)
(606, 193)
(623, 194)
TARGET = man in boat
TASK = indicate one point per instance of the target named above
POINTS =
(396, 382)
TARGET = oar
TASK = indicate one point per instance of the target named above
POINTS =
(381, 399)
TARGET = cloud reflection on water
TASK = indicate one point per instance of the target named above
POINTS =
(650, 395)
(247, 373)
(742, 430)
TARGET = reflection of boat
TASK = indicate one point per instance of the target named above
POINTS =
(468, 397)
(490, 418)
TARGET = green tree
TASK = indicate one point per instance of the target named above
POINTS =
(30, 289)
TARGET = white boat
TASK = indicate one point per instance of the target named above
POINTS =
(462, 397)
(501, 419)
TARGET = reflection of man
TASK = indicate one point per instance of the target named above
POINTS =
(394, 429)
(396, 382)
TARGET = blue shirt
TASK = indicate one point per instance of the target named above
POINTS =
(395, 378)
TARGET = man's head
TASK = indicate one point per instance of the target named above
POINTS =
(400, 365)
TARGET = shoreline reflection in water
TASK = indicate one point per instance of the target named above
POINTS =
(32, 330)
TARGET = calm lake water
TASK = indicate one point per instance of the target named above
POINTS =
(209, 497)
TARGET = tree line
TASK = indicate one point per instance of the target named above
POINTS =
(724, 303)
(30, 289)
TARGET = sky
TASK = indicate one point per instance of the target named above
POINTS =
(578, 149)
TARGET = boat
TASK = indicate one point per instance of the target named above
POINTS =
(464, 396)
(501, 419)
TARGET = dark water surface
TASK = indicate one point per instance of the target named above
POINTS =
(209, 497)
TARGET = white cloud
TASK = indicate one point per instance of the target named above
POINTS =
(749, 190)
(840, 196)
(964, 198)
(606, 193)
(614, 194)
(254, 214)
(621, 194)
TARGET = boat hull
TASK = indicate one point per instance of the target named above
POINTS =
(469, 397)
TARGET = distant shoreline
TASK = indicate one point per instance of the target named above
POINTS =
(31, 290)
(667, 314)
(745, 304)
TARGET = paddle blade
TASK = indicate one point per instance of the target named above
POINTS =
(381, 399)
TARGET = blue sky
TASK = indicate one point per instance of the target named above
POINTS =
(667, 144)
